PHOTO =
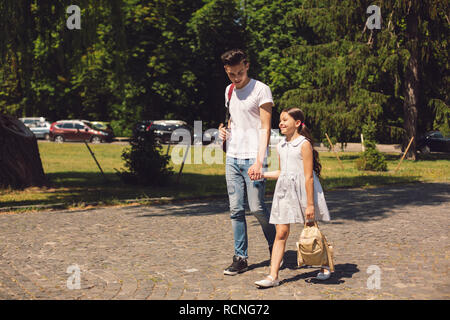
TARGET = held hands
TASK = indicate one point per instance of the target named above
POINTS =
(255, 172)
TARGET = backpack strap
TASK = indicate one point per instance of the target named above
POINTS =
(230, 93)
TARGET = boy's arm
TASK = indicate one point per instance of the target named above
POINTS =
(265, 112)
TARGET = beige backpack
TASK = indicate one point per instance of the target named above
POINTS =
(313, 248)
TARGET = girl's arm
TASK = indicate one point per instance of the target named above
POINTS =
(307, 154)
(273, 174)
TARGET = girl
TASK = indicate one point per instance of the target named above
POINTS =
(298, 192)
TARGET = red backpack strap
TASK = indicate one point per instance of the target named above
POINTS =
(230, 93)
(227, 116)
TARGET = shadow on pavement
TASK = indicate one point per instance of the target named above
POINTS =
(308, 274)
(377, 203)
(344, 204)
(346, 270)
(341, 271)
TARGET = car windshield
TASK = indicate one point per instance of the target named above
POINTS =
(172, 127)
(99, 126)
(88, 124)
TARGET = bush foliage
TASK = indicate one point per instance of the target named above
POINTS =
(145, 164)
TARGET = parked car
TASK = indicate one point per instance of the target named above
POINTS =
(41, 130)
(78, 130)
(211, 136)
(104, 126)
(433, 141)
(275, 137)
(32, 122)
(167, 131)
(141, 127)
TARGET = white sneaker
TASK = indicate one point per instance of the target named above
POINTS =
(324, 275)
(268, 282)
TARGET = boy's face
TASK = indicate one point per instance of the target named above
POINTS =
(238, 74)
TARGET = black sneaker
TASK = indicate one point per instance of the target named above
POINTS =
(239, 265)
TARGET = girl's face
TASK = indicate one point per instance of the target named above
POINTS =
(288, 125)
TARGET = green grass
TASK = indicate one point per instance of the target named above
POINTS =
(76, 180)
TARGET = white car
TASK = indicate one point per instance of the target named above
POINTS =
(275, 137)
(41, 130)
(32, 122)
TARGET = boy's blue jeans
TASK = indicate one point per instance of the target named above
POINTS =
(238, 182)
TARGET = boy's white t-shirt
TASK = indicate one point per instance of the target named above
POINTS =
(245, 118)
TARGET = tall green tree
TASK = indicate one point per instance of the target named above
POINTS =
(56, 72)
(346, 75)
(416, 35)
(213, 29)
(338, 81)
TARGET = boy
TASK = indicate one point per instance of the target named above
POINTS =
(247, 142)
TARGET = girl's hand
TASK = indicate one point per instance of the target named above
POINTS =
(255, 171)
(253, 176)
(309, 213)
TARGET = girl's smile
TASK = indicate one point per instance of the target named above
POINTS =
(288, 125)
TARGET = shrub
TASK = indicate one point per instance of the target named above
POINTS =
(145, 164)
(371, 159)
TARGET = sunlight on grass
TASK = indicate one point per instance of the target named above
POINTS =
(75, 177)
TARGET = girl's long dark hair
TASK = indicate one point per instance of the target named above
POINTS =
(298, 114)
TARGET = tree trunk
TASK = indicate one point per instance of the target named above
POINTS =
(412, 83)
(20, 162)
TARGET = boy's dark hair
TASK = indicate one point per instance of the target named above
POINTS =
(234, 57)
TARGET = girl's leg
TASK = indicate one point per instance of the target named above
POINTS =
(324, 267)
(278, 248)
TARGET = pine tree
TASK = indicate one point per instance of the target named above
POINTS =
(348, 74)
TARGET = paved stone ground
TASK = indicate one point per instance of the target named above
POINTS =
(179, 250)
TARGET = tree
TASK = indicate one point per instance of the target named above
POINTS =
(337, 82)
(213, 29)
(344, 74)
(419, 29)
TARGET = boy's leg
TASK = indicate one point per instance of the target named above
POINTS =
(236, 190)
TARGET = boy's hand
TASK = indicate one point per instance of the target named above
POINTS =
(255, 172)
(222, 132)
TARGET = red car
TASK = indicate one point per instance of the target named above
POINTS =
(78, 130)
